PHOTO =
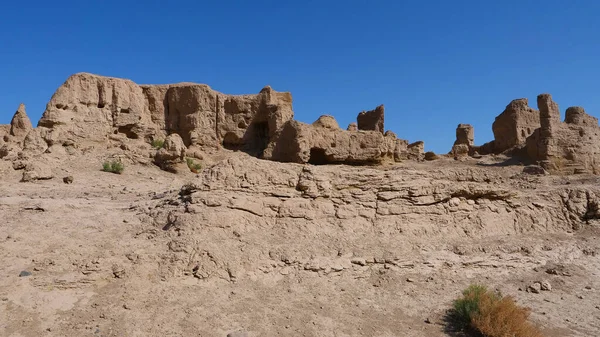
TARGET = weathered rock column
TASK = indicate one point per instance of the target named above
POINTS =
(465, 139)
(550, 122)
(465, 134)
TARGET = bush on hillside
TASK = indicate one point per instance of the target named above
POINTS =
(113, 167)
(158, 143)
(193, 166)
(491, 315)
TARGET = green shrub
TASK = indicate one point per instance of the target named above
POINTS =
(113, 167)
(158, 143)
(490, 315)
(467, 307)
(193, 166)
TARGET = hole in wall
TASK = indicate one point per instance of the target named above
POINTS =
(317, 157)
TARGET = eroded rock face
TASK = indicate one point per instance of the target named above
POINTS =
(326, 121)
(416, 150)
(324, 142)
(460, 151)
(569, 147)
(9, 151)
(4, 133)
(371, 120)
(512, 127)
(352, 127)
(417, 202)
(304, 143)
(34, 143)
(94, 109)
(90, 107)
(36, 170)
(576, 115)
(465, 137)
(465, 134)
(20, 125)
(171, 154)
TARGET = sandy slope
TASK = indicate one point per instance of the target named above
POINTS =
(254, 247)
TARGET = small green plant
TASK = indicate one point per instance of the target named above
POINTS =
(158, 143)
(467, 307)
(489, 314)
(193, 166)
(113, 167)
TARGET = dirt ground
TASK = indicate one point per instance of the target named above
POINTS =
(268, 255)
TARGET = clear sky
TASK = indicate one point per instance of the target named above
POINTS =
(434, 64)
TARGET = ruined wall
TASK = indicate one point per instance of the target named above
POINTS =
(512, 127)
(576, 115)
(305, 143)
(324, 142)
(90, 108)
(572, 146)
(465, 139)
(372, 120)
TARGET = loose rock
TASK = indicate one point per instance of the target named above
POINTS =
(535, 288)
(545, 285)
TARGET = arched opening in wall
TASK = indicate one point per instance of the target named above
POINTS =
(257, 138)
(317, 157)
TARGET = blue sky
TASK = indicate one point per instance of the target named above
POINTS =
(434, 64)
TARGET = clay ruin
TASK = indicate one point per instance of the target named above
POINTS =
(247, 243)
(539, 137)
(93, 109)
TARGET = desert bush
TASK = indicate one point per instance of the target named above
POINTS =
(192, 165)
(491, 315)
(113, 167)
(158, 143)
(467, 307)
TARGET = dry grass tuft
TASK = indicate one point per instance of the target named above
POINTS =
(492, 315)
(193, 166)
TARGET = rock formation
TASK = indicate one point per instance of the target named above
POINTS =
(37, 171)
(572, 146)
(303, 143)
(20, 124)
(171, 153)
(4, 132)
(465, 137)
(465, 134)
(90, 109)
(371, 120)
(512, 127)
(416, 150)
(327, 122)
(576, 115)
